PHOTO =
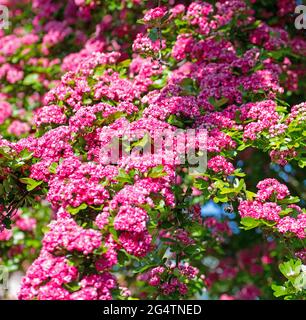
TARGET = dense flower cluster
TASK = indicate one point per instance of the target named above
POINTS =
(66, 234)
(219, 164)
(153, 14)
(252, 260)
(157, 276)
(271, 189)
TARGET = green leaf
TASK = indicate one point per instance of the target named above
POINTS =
(250, 195)
(220, 198)
(289, 200)
(45, 229)
(74, 211)
(99, 71)
(31, 79)
(157, 172)
(175, 121)
(125, 63)
(290, 268)
(113, 231)
(249, 223)
(243, 146)
(31, 183)
(240, 186)
(142, 142)
(72, 286)
(122, 258)
(52, 168)
(189, 87)
(144, 268)
(217, 103)
(279, 290)
(25, 155)
(228, 190)
(302, 163)
(300, 282)
(238, 173)
(123, 177)
(268, 223)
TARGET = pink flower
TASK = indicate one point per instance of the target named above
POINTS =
(258, 210)
(219, 164)
(248, 292)
(5, 111)
(26, 224)
(154, 14)
(271, 187)
(5, 234)
(50, 114)
(18, 128)
(131, 219)
(225, 296)
(295, 226)
(47, 272)
(145, 45)
(137, 244)
(66, 234)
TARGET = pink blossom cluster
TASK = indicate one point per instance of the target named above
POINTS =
(247, 292)
(218, 228)
(5, 234)
(271, 189)
(45, 278)
(5, 111)
(180, 235)
(18, 128)
(136, 243)
(66, 234)
(293, 225)
(157, 276)
(298, 113)
(77, 187)
(265, 115)
(260, 210)
(155, 13)
(251, 260)
(141, 193)
(55, 32)
(110, 258)
(96, 287)
(26, 224)
(198, 13)
(271, 38)
(38, 285)
(131, 219)
(143, 44)
(183, 46)
(285, 7)
(220, 164)
(20, 221)
(49, 114)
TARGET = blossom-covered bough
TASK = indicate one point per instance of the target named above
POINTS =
(139, 226)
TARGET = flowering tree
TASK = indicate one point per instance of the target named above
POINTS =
(147, 114)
